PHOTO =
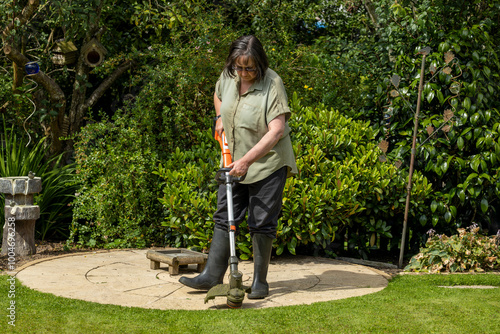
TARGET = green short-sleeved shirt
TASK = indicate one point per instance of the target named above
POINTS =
(245, 120)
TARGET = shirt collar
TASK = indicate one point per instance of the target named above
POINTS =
(255, 86)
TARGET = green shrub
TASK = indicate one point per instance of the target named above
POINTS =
(58, 191)
(459, 142)
(341, 183)
(177, 87)
(462, 156)
(116, 204)
(190, 193)
(467, 251)
(308, 70)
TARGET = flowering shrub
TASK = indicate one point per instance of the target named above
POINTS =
(467, 251)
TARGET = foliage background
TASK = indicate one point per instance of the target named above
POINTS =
(148, 137)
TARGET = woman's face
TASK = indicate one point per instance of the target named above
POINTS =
(245, 67)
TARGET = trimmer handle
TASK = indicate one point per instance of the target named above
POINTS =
(226, 154)
(223, 177)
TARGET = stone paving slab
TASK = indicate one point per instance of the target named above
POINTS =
(124, 277)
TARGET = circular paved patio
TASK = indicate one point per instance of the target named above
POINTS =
(124, 277)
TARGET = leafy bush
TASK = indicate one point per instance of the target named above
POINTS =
(177, 87)
(459, 150)
(17, 158)
(116, 204)
(458, 136)
(467, 251)
(190, 194)
(341, 184)
(308, 71)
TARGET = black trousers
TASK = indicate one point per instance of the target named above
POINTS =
(262, 200)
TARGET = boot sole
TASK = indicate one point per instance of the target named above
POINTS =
(204, 287)
(257, 295)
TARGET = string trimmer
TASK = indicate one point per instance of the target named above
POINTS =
(234, 291)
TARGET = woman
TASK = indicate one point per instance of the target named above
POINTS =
(252, 109)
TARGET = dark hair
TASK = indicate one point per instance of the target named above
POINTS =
(247, 46)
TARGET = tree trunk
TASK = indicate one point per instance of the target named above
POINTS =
(17, 81)
(18, 71)
(79, 104)
(370, 9)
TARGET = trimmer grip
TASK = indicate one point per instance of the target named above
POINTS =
(220, 176)
(226, 154)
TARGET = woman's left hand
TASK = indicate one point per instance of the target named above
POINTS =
(238, 168)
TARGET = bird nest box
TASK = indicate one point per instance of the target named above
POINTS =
(64, 53)
(93, 53)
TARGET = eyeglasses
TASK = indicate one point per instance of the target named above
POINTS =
(247, 69)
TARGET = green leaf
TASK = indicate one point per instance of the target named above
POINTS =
(475, 55)
(475, 164)
(453, 210)
(461, 195)
(484, 205)
(445, 166)
(280, 249)
(487, 71)
(434, 206)
(291, 245)
(440, 96)
(430, 96)
(460, 143)
(467, 103)
(423, 220)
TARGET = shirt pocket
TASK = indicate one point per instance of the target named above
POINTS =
(250, 117)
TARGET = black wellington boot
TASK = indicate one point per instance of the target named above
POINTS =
(216, 266)
(262, 248)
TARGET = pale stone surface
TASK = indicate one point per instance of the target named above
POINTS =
(125, 278)
(13, 185)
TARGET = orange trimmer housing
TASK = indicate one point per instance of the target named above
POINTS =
(226, 155)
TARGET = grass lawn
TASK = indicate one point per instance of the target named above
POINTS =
(410, 304)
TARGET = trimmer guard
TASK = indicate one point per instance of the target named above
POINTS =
(220, 290)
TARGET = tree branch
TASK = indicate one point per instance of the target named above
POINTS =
(26, 14)
(99, 92)
(370, 9)
(55, 92)
(12, 53)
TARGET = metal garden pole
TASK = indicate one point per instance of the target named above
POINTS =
(412, 160)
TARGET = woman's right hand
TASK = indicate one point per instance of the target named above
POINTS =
(219, 128)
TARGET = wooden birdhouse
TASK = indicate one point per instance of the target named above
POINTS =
(64, 53)
(93, 53)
